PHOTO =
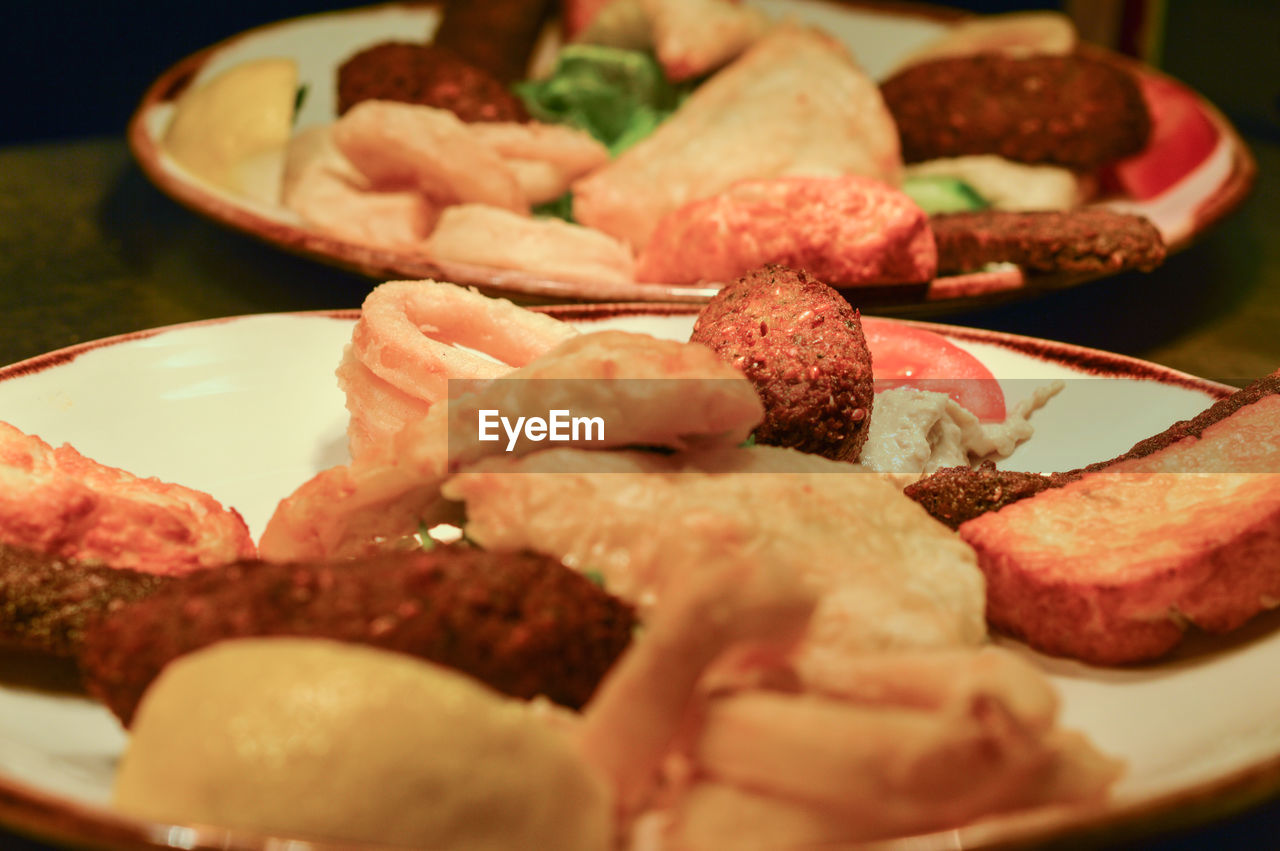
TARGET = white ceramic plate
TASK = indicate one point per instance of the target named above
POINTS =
(248, 408)
(878, 36)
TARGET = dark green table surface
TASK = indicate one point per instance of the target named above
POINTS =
(88, 248)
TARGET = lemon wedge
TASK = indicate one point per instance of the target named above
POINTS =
(222, 128)
(311, 737)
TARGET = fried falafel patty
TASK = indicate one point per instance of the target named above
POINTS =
(800, 343)
(521, 622)
(428, 75)
(1087, 240)
(46, 600)
(1072, 111)
(953, 495)
(498, 36)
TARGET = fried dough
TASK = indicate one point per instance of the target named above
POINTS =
(1111, 568)
(1112, 565)
(794, 103)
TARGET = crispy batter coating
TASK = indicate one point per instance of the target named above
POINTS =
(801, 345)
(848, 231)
(429, 75)
(1073, 111)
(57, 501)
(523, 623)
(1086, 240)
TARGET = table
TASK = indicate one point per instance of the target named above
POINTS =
(88, 248)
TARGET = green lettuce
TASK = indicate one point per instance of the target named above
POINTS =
(618, 96)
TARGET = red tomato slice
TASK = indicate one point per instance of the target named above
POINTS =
(905, 356)
(1182, 137)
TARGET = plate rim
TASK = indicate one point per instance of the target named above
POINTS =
(945, 293)
(43, 814)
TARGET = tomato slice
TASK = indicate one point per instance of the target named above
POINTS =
(1182, 137)
(905, 356)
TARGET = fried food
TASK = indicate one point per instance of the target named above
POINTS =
(498, 36)
(522, 623)
(847, 231)
(794, 103)
(412, 337)
(331, 195)
(650, 392)
(889, 577)
(689, 37)
(479, 235)
(1030, 33)
(1073, 111)
(953, 495)
(59, 502)
(1184, 529)
(429, 75)
(545, 158)
(1090, 240)
(801, 345)
(1113, 567)
(46, 600)
(854, 772)
(401, 145)
(958, 494)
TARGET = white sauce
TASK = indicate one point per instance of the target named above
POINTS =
(915, 432)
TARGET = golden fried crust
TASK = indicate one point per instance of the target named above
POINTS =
(848, 231)
(59, 502)
(1110, 568)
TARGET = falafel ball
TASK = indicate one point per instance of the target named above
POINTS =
(1073, 111)
(521, 622)
(801, 344)
(428, 75)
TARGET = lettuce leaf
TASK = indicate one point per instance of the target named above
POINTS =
(618, 96)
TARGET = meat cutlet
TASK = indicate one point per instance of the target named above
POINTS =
(1085, 240)
(801, 344)
(522, 623)
(1073, 111)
